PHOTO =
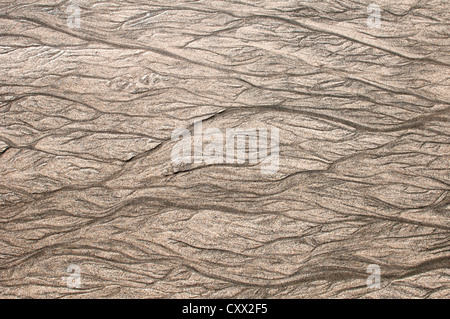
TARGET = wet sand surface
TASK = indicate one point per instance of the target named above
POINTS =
(92, 204)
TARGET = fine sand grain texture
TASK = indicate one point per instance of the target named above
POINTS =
(354, 106)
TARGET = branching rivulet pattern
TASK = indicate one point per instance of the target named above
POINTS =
(85, 141)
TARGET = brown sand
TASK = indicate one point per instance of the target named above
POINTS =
(86, 119)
